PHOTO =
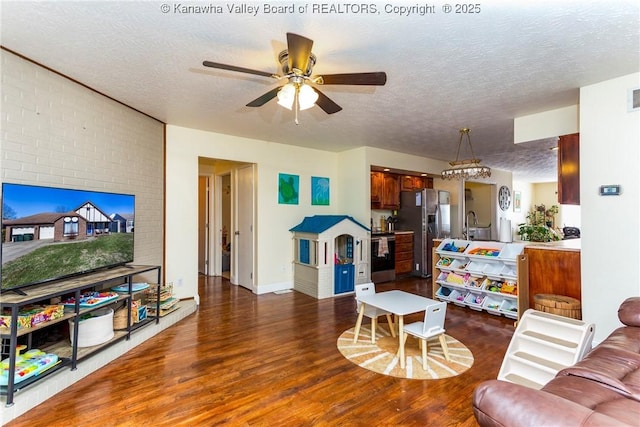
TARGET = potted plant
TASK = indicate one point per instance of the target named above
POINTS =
(538, 227)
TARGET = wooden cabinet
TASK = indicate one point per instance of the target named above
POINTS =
(569, 169)
(385, 191)
(404, 253)
(554, 271)
(412, 182)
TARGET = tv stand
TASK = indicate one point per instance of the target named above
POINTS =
(68, 351)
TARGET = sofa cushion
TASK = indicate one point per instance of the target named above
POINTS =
(596, 396)
(629, 311)
(615, 363)
(502, 404)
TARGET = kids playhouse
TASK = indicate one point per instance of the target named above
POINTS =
(331, 255)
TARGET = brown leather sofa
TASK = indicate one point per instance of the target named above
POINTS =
(603, 389)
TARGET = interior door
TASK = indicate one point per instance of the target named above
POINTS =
(203, 225)
(243, 254)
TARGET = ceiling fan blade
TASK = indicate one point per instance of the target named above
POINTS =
(238, 69)
(299, 49)
(373, 79)
(326, 104)
(260, 101)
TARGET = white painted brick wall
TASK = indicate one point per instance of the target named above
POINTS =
(55, 132)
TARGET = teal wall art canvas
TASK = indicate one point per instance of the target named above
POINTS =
(320, 191)
(288, 189)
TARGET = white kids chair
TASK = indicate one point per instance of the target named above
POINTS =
(371, 312)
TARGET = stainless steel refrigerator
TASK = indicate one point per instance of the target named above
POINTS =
(427, 213)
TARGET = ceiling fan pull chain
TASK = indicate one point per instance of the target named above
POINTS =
(296, 104)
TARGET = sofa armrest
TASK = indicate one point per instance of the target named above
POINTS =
(503, 404)
(629, 311)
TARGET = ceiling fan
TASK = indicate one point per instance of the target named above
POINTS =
(298, 93)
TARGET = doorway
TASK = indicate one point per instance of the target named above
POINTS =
(226, 194)
(479, 206)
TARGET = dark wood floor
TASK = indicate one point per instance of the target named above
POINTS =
(269, 360)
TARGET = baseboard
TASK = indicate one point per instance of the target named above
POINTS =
(272, 287)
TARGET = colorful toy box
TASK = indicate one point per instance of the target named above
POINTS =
(32, 315)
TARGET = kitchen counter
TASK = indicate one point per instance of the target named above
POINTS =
(559, 245)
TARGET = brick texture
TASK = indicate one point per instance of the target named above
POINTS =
(56, 132)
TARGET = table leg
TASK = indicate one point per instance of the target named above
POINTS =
(358, 323)
(401, 343)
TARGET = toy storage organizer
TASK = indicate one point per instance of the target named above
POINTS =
(482, 276)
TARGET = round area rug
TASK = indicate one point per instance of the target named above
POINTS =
(382, 357)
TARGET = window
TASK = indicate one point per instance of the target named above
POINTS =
(70, 227)
(304, 251)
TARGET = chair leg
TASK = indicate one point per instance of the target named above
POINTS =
(424, 354)
(374, 325)
(358, 324)
(445, 349)
(392, 327)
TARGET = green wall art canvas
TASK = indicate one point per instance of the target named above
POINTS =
(320, 191)
(288, 189)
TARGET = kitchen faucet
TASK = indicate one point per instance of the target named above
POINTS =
(475, 218)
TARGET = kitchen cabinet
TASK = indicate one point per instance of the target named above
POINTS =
(404, 253)
(482, 276)
(385, 191)
(569, 169)
(554, 270)
(412, 182)
(67, 350)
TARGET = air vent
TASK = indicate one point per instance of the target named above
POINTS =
(633, 101)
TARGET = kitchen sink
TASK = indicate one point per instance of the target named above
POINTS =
(479, 233)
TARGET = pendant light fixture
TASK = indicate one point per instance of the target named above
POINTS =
(465, 169)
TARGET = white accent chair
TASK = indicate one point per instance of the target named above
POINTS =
(371, 312)
(431, 327)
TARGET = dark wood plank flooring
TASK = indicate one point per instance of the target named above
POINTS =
(266, 360)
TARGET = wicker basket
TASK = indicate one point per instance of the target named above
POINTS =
(558, 304)
(120, 315)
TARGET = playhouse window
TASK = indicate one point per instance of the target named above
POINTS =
(304, 251)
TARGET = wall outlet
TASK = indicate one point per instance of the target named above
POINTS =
(417, 266)
(179, 282)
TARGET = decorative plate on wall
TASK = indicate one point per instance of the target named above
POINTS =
(504, 197)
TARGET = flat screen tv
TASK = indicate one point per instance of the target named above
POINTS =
(53, 233)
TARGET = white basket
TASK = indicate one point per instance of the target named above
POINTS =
(95, 330)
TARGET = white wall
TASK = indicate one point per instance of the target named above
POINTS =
(273, 221)
(609, 154)
(58, 133)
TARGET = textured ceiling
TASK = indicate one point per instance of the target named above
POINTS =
(445, 70)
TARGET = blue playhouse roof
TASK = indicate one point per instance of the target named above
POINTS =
(321, 223)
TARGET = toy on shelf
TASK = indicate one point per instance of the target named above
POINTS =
(451, 247)
(29, 364)
(30, 316)
(485, 252)
(92, 299)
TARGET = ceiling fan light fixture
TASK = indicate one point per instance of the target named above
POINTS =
(465, 169)
(287, 96)
(307, 97)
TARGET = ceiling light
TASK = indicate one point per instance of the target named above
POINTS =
(465, 169)
(297, 96)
